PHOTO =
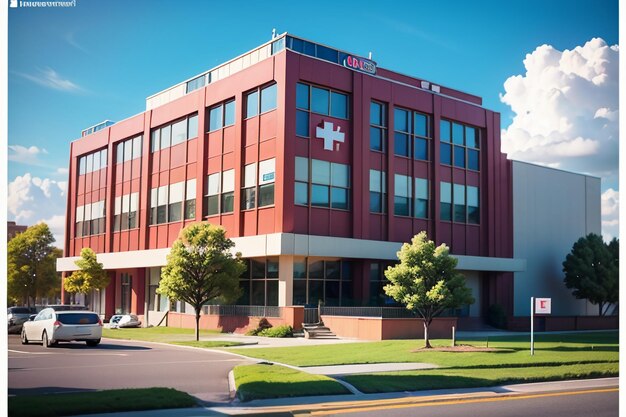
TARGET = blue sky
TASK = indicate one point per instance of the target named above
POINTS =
(70, 68)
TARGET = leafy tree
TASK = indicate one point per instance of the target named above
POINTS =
(91, 275)
(31, 265)
(201, 268)
(592, 270)
(426, 281)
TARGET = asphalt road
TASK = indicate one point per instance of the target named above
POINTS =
(73, 367)
(580, 403)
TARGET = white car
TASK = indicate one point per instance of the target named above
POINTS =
(50, 327)
(124, 320)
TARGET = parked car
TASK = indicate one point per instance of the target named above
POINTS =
(124, 320)
(67, 307)
(16, 316)
(50, 327)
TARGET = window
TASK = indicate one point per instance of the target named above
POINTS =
(473, 211)
(174, 133)
(267, 174)
(329, 184)
(328, 281)
(170, 203)
(260, 282)
(377, 284)
(421, 198)
(378, 191)
(196, 83)
(402, 132)
(129, 149)
(402, 195)
(302, 116)
(459, 145)
(248, 193)
(458, 197)
(222, 115)
(125, 212)
(378, 126)
(90, 219)
(228, 191)
(190, 199)
(411, 128)
(317, 100)
(445, 199)
(175, 203)
(320, 100)
(211, 205)
(92, 162)
(261, 100)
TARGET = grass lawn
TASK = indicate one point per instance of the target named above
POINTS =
(110, 401)
(156, 334)
(557, 357)
(273, 381)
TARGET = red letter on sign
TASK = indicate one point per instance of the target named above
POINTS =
(543, 304)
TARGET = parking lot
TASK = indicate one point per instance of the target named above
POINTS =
(74, 367)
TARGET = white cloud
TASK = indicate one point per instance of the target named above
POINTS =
(62, 171)
(51, 79)
(566, 109)
(610, 214)
(30, 155)
(32, 200)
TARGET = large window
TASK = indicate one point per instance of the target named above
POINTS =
(173, 202)
(128, 150)
(411, 133)
(92, 162)
(266, 178)
(327, 281)
(378, 297)
(259, 283)
(459, 203)
(222, 115)
(219, 196)
(378, 191)
(460, 145)
(326, 183)
(90, 219)
(317, 100)
(126, 209)
(378, 126)
(261, 100)
(174, 133)
(404, 189)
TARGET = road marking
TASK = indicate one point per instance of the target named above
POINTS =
(456, 402)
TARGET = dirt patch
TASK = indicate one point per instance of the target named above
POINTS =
(460, 348)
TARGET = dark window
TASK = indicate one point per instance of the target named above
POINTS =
(302, 123)
(319, 100)
(459, 156)
(302, 96)
(421, 149)
(445, 153)
(78, 318)
(266, 195)
(472, 160)
(338, 105)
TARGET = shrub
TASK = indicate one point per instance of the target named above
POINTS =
(278, 331)
(264, 324)
(496, 316)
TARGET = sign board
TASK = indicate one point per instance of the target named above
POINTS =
(357, 63)
(268, 177)
(328, 133)
(543, 306)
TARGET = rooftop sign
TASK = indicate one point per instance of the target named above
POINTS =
(357, 63)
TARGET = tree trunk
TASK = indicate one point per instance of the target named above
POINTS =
(426, 338)
(600, 305)
(197, 324)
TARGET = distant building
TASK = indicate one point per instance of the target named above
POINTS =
(13, 229)
(319, 164)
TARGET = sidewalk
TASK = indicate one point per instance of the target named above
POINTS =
(286, 406)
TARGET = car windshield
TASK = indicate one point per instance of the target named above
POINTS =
(19, 310)
(80, 318)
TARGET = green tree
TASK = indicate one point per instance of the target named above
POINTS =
(201, 268)
(91, 275)
(426, 281)
(592, 271)
(31, 265)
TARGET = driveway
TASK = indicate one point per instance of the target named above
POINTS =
(114, 364)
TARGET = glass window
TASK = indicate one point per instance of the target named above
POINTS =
(252, 104)
(376, 138)
(473, 213)
(338, 105)
(320, 171)
(340, 175)
(165, 136)
(156, 139)
(402, 195)
(90, 162)
(82, 165)
(179, 132)
(459, 156)
(301, 193)
(459, 203)
(421, 198)
(302, 169)
(215, 118)
(319, 195)
(302, 123)
(267, 171)
(376, 114)
(96, 161)
(470, 137)
(266, 195)
(192, 127)
(229, 113)
(248, 198)
(473, 160)
(268, 98)
(457, 134)
(302, 96)
(299, 269)
(444, 127)
(420, 124)
(445, 153)
(401, 120)
(228, 202)
(137, 147)
(339, 198)
(421, 149)
(319, 100)
(327, 54)
(401, 144)
(445, 199)
(128, 151)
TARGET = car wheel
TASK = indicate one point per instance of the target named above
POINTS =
(47, 342)
(24, 338)
(93, 343)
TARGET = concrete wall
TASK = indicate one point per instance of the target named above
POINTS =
(552, 209)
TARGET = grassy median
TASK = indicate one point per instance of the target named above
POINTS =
(109, 401)
(273, 381)
(557, 357)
